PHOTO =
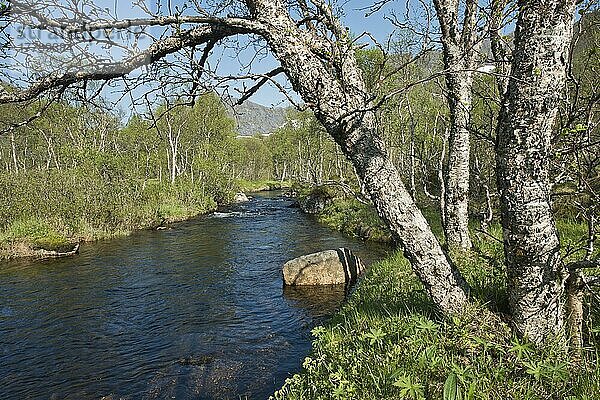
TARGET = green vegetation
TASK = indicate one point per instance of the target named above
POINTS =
(262, 185)
(76, 174)
(300, 151)
(355, 219)
(358, 218)
(49, 210)
(35, 233)
(388, 342)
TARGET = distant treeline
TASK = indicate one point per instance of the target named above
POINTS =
(78, 173)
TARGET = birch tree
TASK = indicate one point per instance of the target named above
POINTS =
(317, 56)
(536, 276)
(460, 49)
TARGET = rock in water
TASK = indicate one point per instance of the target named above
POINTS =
(240, 198)
(331, 267)
(315, 202)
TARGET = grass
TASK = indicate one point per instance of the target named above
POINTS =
(35, 233)
(261, 185)
(387, 342)
(355, 219)
(345, 213)
(55, 210)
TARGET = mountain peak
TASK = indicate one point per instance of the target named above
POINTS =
(255, 119)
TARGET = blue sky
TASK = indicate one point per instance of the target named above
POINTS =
(353, 17)
(229, 61)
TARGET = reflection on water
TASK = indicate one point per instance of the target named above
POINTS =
(318, 301)
(196, 312)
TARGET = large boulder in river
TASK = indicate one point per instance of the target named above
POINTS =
(331, 267)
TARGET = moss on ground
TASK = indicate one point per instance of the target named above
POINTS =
(35, 233)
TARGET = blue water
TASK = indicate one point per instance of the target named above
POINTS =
(195, 312)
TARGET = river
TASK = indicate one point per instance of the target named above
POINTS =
(195, 312)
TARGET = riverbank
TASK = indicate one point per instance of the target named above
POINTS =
(262, 185)
(36, 238)
(387, 342)
(343, 213)
(44, 217)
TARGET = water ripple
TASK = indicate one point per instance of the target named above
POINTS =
(196, 312)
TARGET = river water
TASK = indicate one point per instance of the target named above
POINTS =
(195, 312)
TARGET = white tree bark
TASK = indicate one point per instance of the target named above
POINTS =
(460, 50)
(457, 170)
(535, 275)
(13, 149)
(342, 105)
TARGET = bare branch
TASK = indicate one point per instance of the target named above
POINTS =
(268, 77)
(156, 51)
(583, 264)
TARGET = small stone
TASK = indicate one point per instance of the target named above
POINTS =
(240, 198)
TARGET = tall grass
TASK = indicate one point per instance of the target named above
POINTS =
(50, 209)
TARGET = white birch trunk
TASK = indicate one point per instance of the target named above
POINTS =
(460, 50)
(526, 122)
(341, 103)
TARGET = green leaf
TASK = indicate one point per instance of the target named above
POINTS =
(535, 369)
(471, 392)
(520, 349)
(375, 335)
(451, 389)
(409, 388)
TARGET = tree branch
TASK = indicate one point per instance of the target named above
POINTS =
(156, 51)
(265, 78)
(72, 26)
(583, 264)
